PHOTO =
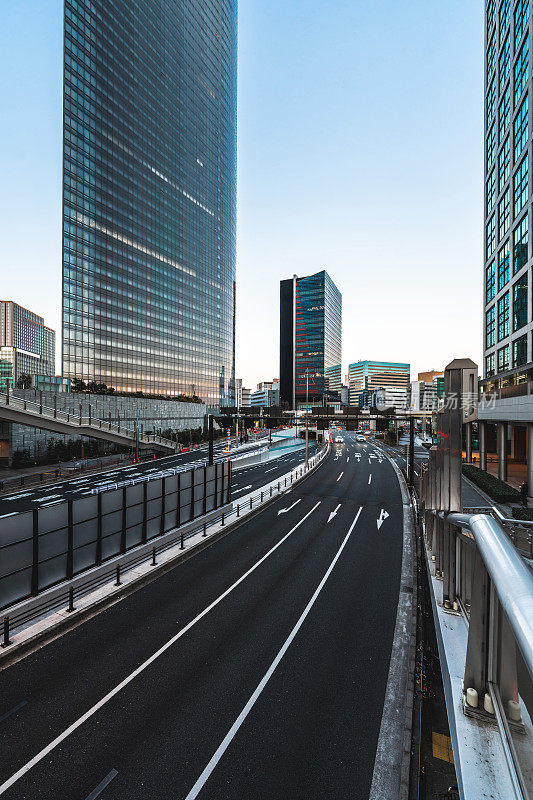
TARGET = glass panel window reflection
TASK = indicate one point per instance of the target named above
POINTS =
(521, 14)
(521, 128)
(489, 365)
(520, 302)
(491, 191)
(521, 186)
(504, 112)
(490, 323)
(520, 351)
(520, 244)
(503, 358)
(491, 236)
(503, 317)
(505, 60)
(490, 283)
(504, 213)
(505, 8)
(504, 163)
(521, 70)
(503, 266)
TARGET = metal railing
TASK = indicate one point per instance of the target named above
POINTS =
(117, 567)
(485, 578)
(80, 420)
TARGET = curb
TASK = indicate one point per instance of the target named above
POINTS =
(16, 652)
(392, 764)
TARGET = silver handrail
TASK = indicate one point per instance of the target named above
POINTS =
(512, 579)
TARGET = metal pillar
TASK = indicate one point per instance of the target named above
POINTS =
(411, 451)
(502, 451)
(482, 433)
(210, 457)
(529, 477)
(468, 442)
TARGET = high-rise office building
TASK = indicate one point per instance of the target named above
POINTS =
(508, 318)
(381, 383)
(310, 339)
(149, 195)
(27, 346)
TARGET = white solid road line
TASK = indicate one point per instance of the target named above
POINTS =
(340, 476)
(238, 491)
(88, 714)
(370, 478)
(198, 786)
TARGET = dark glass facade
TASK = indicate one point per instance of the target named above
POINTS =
(149, 203)
(310, 338)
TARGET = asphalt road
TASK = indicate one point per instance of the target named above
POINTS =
(82, 485)
(256, 670)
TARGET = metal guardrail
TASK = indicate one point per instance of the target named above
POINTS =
(38, 409)
(128, 561)
(486, 579)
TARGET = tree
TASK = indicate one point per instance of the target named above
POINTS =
(78, 385)
(24, 381)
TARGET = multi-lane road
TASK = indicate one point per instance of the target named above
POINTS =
(256, 669)
(82, 485)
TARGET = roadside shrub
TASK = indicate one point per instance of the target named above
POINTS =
(499, 491)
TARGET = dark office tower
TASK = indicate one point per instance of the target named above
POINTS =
(149, 182)
(310, 339)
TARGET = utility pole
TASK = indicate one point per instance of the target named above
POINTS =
(210, 456)
(137, 435)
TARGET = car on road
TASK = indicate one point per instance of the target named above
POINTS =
(360, 438)
(339, 439)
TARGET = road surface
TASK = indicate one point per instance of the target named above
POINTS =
(256, 670)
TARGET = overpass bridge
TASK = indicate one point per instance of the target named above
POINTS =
(35, 414)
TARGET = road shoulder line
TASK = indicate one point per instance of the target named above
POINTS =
(390, 778)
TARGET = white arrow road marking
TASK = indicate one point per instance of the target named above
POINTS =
(370, 478)
(340, 476)
(333, 513)
(284, 510)
(348, 458)
(382, 517)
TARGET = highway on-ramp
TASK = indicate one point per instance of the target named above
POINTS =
(255, 669)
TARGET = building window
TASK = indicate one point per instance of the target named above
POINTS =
(491, 236)
(521, 70)
(504, 164)
(503, 358)
(491, 146)
(521, 186)
(491, 100)
(490, 323)
(505, 8)
(520, 241)
(491, 54)
(491, 191)
(520, 302)
(520, 351)
(504, 214)
(521, 14)
(521, 128)
(503, 266)
(504, 112)
(489, 365)
(505, 61)
(503, 317)
(490, 283)
(490, 14)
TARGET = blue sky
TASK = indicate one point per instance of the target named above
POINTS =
(360, 151)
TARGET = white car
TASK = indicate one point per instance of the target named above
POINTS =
(339, 439)
(360, 438)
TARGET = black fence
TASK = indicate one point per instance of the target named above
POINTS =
(47, 545)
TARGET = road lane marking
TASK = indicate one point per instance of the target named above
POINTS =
(237, 491)
(101, 786)
(13, 710)
(370, 478)
(340, 476)
(382, 517)
(198, 786)
(284, 510)
(347, 459)
(333, 513)
(109, 696)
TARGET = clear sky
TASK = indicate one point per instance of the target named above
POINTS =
(360, 151)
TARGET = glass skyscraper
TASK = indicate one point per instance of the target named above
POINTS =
(149, 195)
(508, 318)
(310, 339)
(27, 345)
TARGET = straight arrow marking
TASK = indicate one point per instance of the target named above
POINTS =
(333, 513)
(284, 510)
